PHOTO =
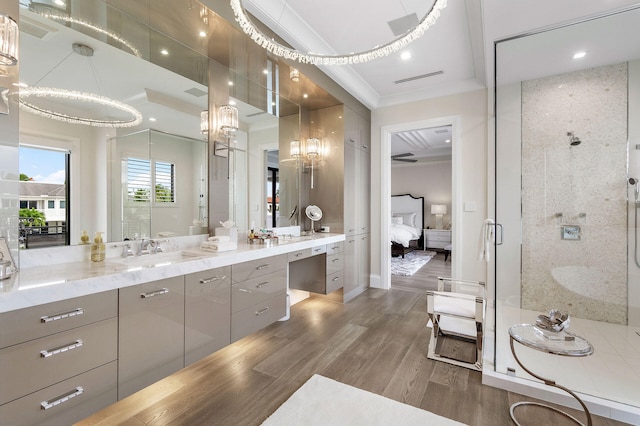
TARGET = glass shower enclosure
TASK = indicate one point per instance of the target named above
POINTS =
(567, 147)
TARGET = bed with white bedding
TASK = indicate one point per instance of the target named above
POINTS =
(407, 216)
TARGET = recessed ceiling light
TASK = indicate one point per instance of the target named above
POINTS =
(305, 96)
(231, 83)
(164, 51)
(405, 56)
(265, 71)
(448, 141)
(152, 119)
(579, 55)
(202, 34)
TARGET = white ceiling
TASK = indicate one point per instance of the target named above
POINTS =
(460, 44)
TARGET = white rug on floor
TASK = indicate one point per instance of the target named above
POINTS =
(322, 401)
(411, 263)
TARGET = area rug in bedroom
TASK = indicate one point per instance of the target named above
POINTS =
(411, 263)
(322, 401)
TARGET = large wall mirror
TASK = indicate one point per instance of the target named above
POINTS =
(150, 180)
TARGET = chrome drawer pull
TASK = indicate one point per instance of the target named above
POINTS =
(351, 230)
(244, 290)
(335, 278)
(262, 284)
(155, 293)
(335, 260)
(55, 351)
(266, 265)
(298, 254)
(262, 311)
(45, 405)
(212, 279)
(318, 249)
(49, 318)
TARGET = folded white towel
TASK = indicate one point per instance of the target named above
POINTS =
(487, 239)
(219, 238)
(218, 246)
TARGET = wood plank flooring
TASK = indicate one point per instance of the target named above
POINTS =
(377, 342)
(426, 278)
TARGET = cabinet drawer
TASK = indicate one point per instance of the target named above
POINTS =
(207, 313)
(42, 320)
(437, 244)
(68, 402)
(255, 268)
(304, 253)
(334, 281)
(150, 333)
(257, 290)
(335, 263)
(36, 364)
(257, 316)
(335, 248)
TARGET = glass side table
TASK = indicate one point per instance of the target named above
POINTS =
(562, 343)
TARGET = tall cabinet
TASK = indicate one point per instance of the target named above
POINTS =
(357, 203)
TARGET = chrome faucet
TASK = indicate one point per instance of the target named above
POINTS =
(154, 247)
(127, 251)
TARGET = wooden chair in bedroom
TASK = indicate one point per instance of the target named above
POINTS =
(457, 313)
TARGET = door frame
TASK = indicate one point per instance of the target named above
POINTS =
(385, 188)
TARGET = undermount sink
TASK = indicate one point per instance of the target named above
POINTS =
(150, 259)
(289, 240)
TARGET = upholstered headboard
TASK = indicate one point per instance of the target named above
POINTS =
(407, 203)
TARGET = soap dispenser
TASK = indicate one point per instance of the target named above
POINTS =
(84, 238)
(97, 248)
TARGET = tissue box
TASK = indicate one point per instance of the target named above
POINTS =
(231, 232)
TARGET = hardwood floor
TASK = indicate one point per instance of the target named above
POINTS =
(426, 278)
(377, 342)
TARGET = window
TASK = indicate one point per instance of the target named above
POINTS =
(138, 180)
(51, 204)
(28, 204)
(164, 180)
(141, 178)
(63, 204)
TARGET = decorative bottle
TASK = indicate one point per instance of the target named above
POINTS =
(97, 248)
(84, 238)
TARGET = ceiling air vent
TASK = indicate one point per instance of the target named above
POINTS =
(418, 77)
(196, 92)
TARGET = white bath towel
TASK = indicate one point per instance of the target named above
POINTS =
(218, 246)
(219, 238)
(487, 239)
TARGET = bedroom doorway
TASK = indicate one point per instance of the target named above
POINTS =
(388, 151)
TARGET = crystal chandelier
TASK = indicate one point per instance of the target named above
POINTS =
(352, 58)
(8, 41)
(77, 97)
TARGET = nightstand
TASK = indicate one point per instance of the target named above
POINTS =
(436, 238)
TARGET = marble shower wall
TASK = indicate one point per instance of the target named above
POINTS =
(583, 185)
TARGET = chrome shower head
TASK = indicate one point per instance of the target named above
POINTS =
(573, 140)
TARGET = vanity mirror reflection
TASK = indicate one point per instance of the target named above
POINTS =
(130, 62)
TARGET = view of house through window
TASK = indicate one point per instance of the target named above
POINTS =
(43, 197)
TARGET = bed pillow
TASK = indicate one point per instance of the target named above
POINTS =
(396, 220)
(407, 218)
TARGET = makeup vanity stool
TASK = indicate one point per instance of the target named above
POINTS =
(560, 343)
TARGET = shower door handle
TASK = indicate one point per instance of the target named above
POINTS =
(501, 240)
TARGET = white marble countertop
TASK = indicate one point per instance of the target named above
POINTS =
(53, 282)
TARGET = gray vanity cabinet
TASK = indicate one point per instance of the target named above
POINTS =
(258, 294)
(207, 313)
(150, 332)
(58, 360)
